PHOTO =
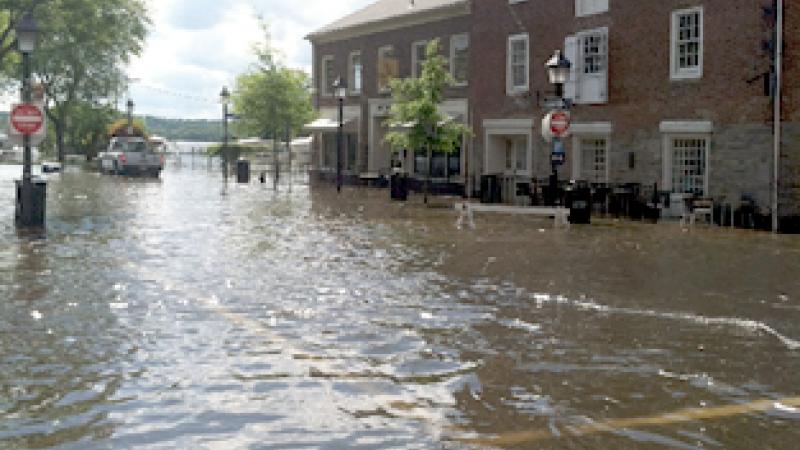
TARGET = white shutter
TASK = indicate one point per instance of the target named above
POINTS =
(603, 97)
(571, 53)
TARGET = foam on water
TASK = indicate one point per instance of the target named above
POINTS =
(748, 324)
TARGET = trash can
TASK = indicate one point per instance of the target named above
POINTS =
(31, 205)
(579, 202)
(399, 186)
(490, 189)
(243, 171)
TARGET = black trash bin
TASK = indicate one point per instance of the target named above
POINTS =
(31, 205)
(243, 171)
(490, 189)
(579, 202)
(399, 187)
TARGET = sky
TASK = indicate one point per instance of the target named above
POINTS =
(195, 47)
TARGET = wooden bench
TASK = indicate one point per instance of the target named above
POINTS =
(467, 210)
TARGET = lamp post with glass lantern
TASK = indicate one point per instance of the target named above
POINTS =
(558, 71)
(30, 205)
(27, 33)
(225, 99)
(340, 89)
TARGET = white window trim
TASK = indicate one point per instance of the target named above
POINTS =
(453, 57)
(510, 88)
(381, 50)
(580, 13)
(588, 130)
(415, 62)
(667, 154)
(324, 87)
(351, 73)
(686, 74)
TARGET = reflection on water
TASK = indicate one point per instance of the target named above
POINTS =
(176, 313)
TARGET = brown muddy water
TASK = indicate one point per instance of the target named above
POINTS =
(181, 314)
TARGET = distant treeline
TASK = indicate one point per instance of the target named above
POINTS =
(196, 130)
(173, 129)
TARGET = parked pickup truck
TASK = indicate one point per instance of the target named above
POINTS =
(130, 156)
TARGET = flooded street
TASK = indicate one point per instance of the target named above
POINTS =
(176, 313)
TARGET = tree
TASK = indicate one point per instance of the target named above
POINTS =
(82, 52)
(11, 11)
(271, 98)
(415, 108)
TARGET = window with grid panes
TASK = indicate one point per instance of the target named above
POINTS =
(518, 63)
(688, 40)
(328, 75)
(459, 58)
(356, 73)
(687, 43)
(419, 49)
(594, 53)
(594, 159)
(689, 165)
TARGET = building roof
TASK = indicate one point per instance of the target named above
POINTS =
(383, 11)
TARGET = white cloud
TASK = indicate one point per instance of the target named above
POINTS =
(197, 46)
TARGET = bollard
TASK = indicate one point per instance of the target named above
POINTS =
(243, 171)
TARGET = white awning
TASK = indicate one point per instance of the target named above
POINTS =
(324, 125)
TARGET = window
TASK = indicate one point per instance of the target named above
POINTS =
(356, 70)
(443, 165)
(388, 67)
(330, 150)
(518, 71)
(594, 159)
(459, 58)
(589, 7)
(328, 76)
(687, 44)
(588, 82)
(689, 165)
(418, 50)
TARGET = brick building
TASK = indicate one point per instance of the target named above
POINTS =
(669, 94)
(368, 48)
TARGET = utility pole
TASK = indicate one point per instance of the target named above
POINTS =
(778, 111)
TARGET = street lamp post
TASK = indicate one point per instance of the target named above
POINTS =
(129, 107)
(30, 199)
(558, 71)
(27, 32)
(340, 87)
(225, 99)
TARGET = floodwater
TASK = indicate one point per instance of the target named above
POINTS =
(178, 313)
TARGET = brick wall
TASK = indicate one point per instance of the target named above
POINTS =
(641, 93)
(368, 45)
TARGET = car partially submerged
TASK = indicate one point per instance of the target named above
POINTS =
(131, 156)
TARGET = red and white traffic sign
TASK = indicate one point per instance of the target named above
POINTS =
(559, 123)
(27, 118)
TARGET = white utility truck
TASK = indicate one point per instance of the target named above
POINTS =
(131, 156)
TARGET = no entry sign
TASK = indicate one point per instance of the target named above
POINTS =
(27, 118)
(559, 123)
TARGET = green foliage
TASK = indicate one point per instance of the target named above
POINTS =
(82, 51)
(271, 97)
(415, 108)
